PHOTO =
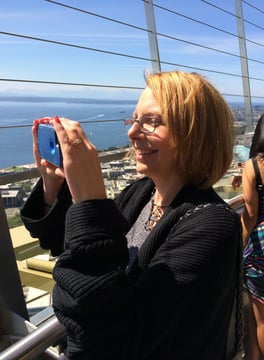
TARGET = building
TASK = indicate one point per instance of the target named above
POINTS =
(12, 195)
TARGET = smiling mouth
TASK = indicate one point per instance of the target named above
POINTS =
(146, 151)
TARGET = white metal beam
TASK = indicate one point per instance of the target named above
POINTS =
(244, 64)
(152, 36)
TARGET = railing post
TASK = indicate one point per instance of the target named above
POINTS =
(244, 64)
(11, 292)
(152, 35)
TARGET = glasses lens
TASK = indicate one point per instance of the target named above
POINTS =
(147, 125)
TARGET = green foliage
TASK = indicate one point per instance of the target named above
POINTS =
(14, 221)
(26, 186)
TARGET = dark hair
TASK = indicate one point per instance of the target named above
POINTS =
(257, 145)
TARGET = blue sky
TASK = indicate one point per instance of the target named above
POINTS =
(32, 60)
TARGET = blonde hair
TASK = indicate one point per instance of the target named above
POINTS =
(200, 123)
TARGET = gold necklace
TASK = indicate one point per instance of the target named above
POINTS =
(156, 213)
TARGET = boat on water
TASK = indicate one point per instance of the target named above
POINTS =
(32, 332)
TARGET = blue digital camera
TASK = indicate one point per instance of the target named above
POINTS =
(48, 145)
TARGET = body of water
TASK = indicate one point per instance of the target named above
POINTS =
(103, 122)
(16, 142)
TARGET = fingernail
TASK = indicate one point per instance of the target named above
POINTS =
(57, 119)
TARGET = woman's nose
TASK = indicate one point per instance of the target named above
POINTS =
(134, 130)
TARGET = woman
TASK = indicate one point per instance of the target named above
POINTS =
(151, 275)
(253, 239)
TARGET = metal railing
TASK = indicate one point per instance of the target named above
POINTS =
(36, 342)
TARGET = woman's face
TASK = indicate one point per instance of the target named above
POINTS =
(155, 155)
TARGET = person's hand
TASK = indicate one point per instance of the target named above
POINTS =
(52, 177)
(81, 164)
(236, 181)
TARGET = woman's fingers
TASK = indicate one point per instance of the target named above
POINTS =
(43, 165)
(70, 132)
(81, 163)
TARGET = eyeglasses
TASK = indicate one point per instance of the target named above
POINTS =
(148, 124)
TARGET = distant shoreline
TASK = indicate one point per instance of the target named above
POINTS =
(84, 100)
(41, 99)
(104, 155)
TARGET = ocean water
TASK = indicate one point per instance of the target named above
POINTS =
(102, 122)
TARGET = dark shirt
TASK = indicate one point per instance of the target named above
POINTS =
(176, 300)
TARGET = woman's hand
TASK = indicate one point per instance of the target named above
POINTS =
(81, 165)
(53, 177)
(236, 181)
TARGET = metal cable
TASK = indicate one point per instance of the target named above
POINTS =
(159, 34)
(72, 84)
(127, 55)
(205, 24)
(81, 122)
(72, 45)
(228, 12)
(254, 7)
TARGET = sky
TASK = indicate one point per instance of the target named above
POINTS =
(22, 58)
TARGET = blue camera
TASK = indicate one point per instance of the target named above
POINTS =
(48, 145)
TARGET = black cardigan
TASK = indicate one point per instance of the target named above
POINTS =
(176, 301)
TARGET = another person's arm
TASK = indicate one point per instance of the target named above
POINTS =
(251, 200)
(236, 181)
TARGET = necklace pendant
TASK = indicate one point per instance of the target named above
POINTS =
(154, 217)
